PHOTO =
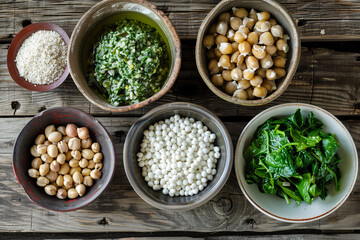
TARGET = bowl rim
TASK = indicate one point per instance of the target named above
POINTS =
(17, 42)
(112, 153)
(217, 187)
(175, 68)
(286, 81)
(274, 216)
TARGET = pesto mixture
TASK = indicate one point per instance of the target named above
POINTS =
(130, 63)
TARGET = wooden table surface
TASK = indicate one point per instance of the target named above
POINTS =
(328, 76)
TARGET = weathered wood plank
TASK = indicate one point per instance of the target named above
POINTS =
(326, 78)
(120, 209)
(339, 19)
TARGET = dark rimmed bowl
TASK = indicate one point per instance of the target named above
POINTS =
(22, 157)
(132, 147)
(105, 13)
(282, 16)
(15, 46)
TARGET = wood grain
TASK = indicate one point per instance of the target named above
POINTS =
(120, 209)
(338, 19)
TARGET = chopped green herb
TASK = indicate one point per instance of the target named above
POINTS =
(293, 159)
(130, 63)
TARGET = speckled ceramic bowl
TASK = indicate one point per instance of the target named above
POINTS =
(132, 147)
(22, 157)
(276, 207)
(104, 13)
(282, 16)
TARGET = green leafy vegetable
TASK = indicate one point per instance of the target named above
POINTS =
(293, 159)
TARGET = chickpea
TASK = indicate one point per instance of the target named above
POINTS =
(280, 72)
(81, 189)
(34, 173)
(86, 143)
(52, 176)
(240, 94)
(235, 46)
(271, 50)
(242, 66)
(96, 174)
(62, 130)
(225, 48)
(52, 150)
(253, 14)
(224, 61)
(217, 53)
(240, 12)
(72, 193)
(226, 74)
(64, 169)
(60, 180)
(46, 158)
(248, 22)
(232, 66)
(210, 55)
(55, 166)
(252, 62)
(263, 16)
(212, 29)
(97, 157)
(249, 92)
(266, 38)
(83, 133)
(248, 74)
(44, 169)
(55, 137)
(258, 51)
(213, 67)
(236, 74)
(221, 39)
(71, 130)
(66, 139)
(68, 180)
(279, 61)
(62, 147)
(260, 92)
(61, 158)
(234, 57)
(76, 154)
(86, 172)
(217, 80)
(47, 143)
(269, 85)
(277, 31)
(68, 156)
(40, 139)
(61, 193)
(209, 41)
(282, 45)
(239, 37)
(256, 81)
(222, 27)
(261, 72)
(50, 190)
(74, 163)
(49, 129)
(230, 88)
(88, 181)
(253, 38)
(230, 35)
(244, 30)
(95, 147)
(270, 74)
(244, 84)
(99, 166)
(74, 144)
(272, 22)
(87, 153)
(41, 149)
(42, 181)
(83, 163)
(68, 187)
(281, 54)
(262, 26)
(240, 61)
(74, 170)
(266, 62)
(36, 162)
(235, 23)
(77, 177)
(244, 48)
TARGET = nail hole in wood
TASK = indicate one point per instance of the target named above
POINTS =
(26, 22)
(301, 22)
(15, 105)
(42, 108)
(103, 221)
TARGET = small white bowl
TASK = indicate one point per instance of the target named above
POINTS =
(275, 207)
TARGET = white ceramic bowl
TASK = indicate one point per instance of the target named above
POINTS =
(275, 207)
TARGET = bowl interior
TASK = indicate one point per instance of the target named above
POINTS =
(90, 28)
(276, 207)
(15, 46)
(22, 157)
(281, 16)
(157, 198)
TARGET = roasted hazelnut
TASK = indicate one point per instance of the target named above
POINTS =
(83, 133)
(71, 130)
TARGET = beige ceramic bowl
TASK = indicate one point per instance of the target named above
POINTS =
(107, 12)
(281, 15)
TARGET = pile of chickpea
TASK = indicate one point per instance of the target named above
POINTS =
(246, 52)
(66, 161)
